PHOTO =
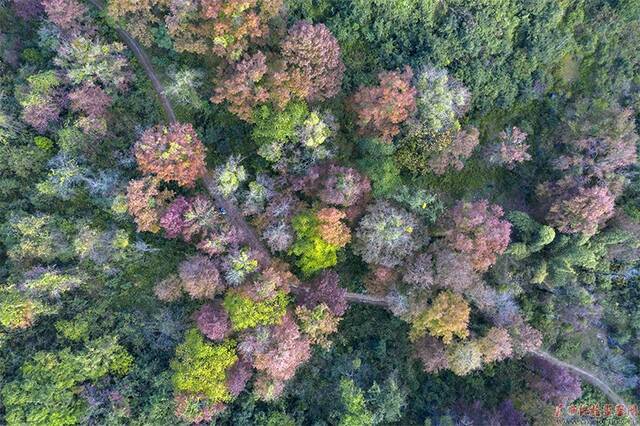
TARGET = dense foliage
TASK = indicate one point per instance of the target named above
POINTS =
(292, 212)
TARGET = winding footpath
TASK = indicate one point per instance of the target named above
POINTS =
(250, 237)
(587, 377)
(144, 60)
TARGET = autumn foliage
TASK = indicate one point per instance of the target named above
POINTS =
(200, 277)
(478, 231)
(222, 27)
(330, 227)
(447, 317)
(313, 60)
(381, 109)
(496, 345)
(511, 149)
(426, 151)
(325, 289)
(145, 202)
(307, 68)
(173, 153)
(583, 212)
(241, 87)
(66, 14)
(213, 321)
(336, 185)
(554, 384)
(386, 235)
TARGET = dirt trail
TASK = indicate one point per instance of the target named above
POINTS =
(264, 256)
(587, 377)
(260, 250)
(142, 57)
(233, 215)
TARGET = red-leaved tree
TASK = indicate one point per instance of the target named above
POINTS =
(453, 155)
(173, 153)
(276, 352)
(200, 277)
(222, 27)
(325, 289)
(477, 230)
(554, 384)
(240, 86)
(66, 14)
(146, 202)
(582, 212)
(312, 55)
(213, 321)
(382, 108)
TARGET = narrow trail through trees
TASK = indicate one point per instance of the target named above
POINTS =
(234, 215)
(587, 377)
(144, 60)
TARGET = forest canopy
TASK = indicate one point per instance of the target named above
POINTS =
(319, 212)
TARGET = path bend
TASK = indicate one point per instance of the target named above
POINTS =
(264, 256)
(587, 377)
